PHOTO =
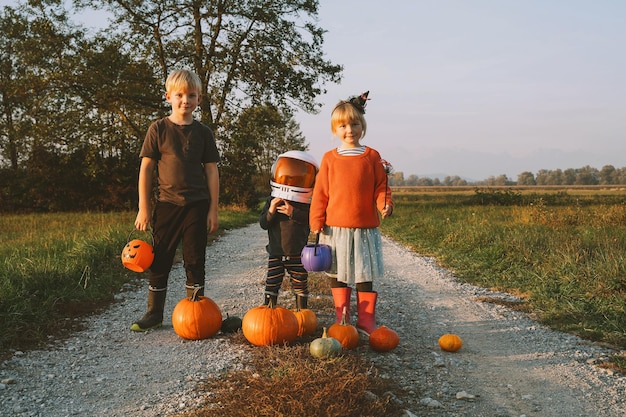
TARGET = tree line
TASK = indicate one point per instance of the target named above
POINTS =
(75, 103)
(607, 175)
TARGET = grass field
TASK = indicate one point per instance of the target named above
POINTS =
(562, 251)
(57, 266)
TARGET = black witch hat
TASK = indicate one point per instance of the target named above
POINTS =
(359, 102)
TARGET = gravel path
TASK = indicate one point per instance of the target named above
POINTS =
(508, 366)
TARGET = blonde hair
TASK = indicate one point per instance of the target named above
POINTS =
(183, 80)
(346, 113)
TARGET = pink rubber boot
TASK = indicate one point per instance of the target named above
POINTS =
(366, 308)
(341, 297)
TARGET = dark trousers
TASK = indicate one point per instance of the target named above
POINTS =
(172, 224)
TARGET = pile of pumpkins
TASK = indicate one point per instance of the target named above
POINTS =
(199, 317)
(382, 339)
(270, 325)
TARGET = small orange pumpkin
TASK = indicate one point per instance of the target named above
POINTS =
(450, 342)
(196, 317)
(269, 325)
(384, 339)
(346, 333)
(307, 321)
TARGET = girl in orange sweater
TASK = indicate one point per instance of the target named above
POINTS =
(350, 190)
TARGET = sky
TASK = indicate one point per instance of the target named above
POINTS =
(478, 88)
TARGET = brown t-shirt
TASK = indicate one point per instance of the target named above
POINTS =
(180, 152)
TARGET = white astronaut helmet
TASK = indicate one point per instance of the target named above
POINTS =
(293, 176)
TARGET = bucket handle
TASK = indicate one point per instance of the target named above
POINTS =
(317, 242)
(149, 232)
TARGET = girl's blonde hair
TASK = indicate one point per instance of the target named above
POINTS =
(346, 113)
(183, 80)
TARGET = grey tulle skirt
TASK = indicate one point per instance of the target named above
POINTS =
(357, 253)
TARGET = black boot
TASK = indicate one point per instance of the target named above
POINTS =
(270, 297)
(302, 301)
(154, 316)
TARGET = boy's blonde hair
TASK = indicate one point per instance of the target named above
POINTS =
(346, 113)
(183, 80)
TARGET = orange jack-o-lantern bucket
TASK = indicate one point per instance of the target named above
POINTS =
(137, 255)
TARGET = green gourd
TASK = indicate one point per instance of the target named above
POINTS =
(324, 347)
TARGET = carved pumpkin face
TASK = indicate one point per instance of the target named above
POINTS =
(137, 255)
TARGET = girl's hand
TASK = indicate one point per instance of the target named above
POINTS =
(387, 211)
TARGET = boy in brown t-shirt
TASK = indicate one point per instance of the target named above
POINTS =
(186, 155)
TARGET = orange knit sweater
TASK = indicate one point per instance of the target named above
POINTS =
(349, 191)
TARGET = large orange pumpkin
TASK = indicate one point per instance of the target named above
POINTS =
(307, 321)
(269, 325)
(384, 339)
(196, 317)
(450, 342)
(346, 333)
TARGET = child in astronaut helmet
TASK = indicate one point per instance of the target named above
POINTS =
(285, 216)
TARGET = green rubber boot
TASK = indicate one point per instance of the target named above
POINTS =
(154, 316)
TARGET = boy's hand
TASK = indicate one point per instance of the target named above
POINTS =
(142, 222)
(212, 222)
(276, 201)
(286, 209)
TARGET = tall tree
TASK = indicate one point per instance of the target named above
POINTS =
(75, 106)
(569, 176)
(246, 52)
(587, 176)
(255, 140)
(526, 178)
(35, 50)
(607, 175)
